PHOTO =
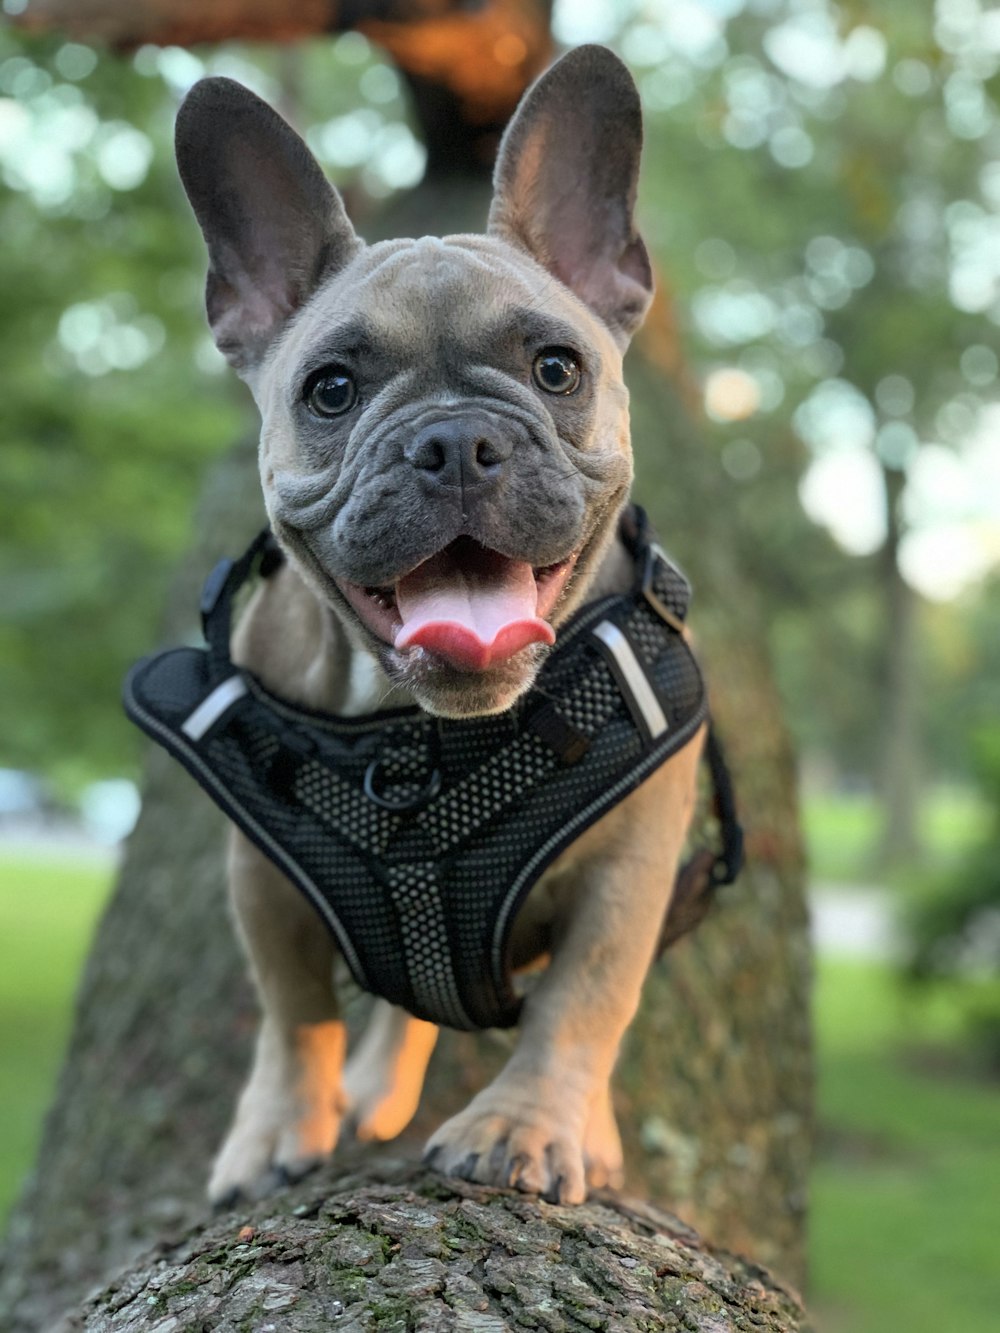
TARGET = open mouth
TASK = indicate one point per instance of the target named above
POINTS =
(468, 605)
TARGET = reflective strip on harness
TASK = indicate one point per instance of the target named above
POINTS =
(635, 686)
(208, 712)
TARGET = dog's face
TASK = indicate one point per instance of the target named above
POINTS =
(445, 445)
(446, 455)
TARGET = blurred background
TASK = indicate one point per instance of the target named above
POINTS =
(821, 193)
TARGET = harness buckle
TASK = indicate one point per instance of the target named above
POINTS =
(654, 553)
(224, 582)
(566, 742)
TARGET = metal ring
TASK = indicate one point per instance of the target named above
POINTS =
(407, 803)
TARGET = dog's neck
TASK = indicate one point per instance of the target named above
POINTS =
(368, 688)
(615, 573)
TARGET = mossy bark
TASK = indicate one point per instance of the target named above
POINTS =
(410, 1252)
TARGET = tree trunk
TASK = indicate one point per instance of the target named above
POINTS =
(408, 1251)
(714, 1082)
(900, 767)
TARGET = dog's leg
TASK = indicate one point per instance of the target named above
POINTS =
(289, 1114)
(529, 1127)
(385, 1072)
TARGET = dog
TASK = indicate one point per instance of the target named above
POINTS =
(445, 457)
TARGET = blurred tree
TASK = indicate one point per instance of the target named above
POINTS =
(963, 650)
(721, 1124)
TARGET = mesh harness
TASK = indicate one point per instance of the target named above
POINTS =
(416, 838)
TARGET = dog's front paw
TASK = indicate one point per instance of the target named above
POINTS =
(520, 1142)
(288, 1118)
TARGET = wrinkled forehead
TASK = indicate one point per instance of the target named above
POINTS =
(418, 298)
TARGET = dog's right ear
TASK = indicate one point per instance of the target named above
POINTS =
(274, 226)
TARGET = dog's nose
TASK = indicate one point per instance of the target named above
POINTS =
(462, 452)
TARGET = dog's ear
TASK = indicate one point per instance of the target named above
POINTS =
(565, 183)
(274, 225)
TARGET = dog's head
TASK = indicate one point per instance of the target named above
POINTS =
(445, 446)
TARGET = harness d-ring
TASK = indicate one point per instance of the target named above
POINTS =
(402, 804)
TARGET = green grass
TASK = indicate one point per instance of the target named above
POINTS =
(906, 1188)
(842, 831)
(904, 1220)
(48, 908)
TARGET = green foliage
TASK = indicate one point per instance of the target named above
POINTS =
(107, 419)
(842, 829)
(962, 646)
(955, 922)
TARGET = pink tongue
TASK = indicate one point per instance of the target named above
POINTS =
(474, 615)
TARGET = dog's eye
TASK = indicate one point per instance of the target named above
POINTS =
(330, 392)
(556, 370)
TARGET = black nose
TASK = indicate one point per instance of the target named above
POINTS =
(461, 452)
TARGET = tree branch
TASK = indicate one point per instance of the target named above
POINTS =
(395, 1247)
(467, 62)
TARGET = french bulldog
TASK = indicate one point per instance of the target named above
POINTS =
(445, 457)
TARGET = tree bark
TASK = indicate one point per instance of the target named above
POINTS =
(409, 1251)
(190, 22)
(714, 1082)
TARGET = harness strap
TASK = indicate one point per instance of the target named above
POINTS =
(729, 862)
(705, 870)
(221, 587)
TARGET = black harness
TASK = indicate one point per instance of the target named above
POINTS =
(416, 838)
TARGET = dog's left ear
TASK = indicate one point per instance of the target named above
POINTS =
(565, 183)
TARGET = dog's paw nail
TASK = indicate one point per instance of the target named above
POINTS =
(515, 1166)
(466, 1170)
(291, 1175)
(225, 1203)
(274, 1178)
(554, 1192)
(496, 1161)
(432, 1156)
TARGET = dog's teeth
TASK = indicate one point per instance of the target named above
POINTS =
(383, 597)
